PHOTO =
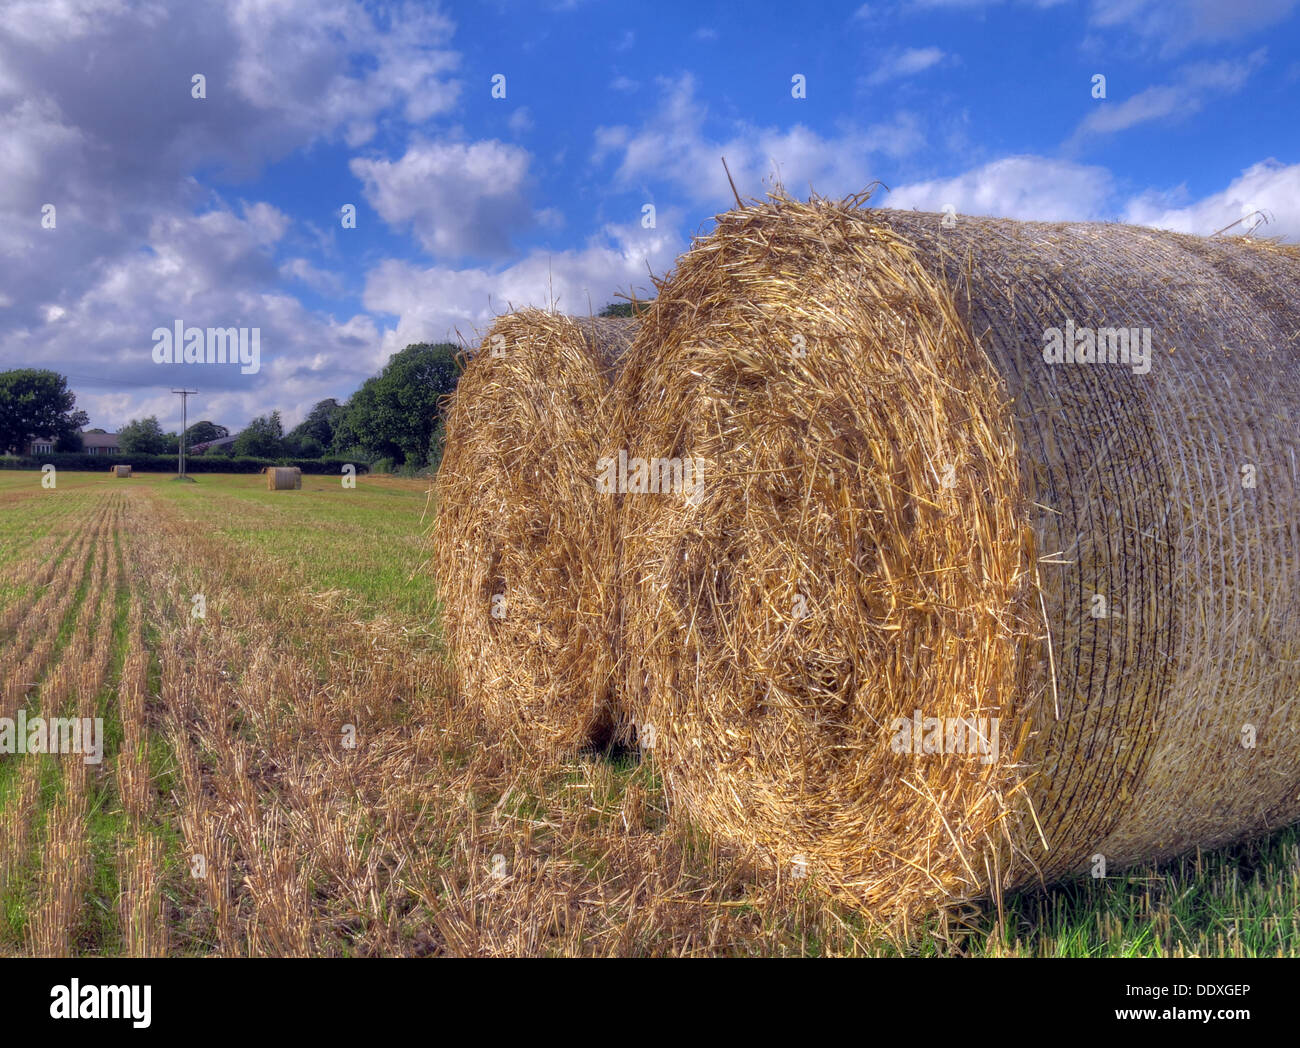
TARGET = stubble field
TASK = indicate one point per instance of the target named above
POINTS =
(287, 769)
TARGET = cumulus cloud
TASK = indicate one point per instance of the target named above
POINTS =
(673, 146)
(279, 76)
(207, 270)
(444, 304)
(457, 198)
(1268, 186)
(1037, 188)
(1025, 187)
(296, 59)
(321, 281)
(97, 119)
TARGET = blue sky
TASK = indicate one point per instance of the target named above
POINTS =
(225, 210)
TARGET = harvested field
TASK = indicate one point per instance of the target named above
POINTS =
(227, 740)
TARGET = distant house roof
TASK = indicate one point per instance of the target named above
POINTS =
(220, 442)
(99, 440)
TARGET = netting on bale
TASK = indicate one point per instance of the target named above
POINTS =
(522, 539)
(958, 605)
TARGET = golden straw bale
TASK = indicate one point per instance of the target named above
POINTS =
(944, 616)
(283, 478)
(523, 542)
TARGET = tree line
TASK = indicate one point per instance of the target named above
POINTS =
(393, 421)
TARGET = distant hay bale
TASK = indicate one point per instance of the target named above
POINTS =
(947, 616)
(283, 478)
(522, 545)
(120, 471)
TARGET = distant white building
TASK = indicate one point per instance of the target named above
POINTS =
(92, 444)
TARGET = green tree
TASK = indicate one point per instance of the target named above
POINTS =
(202, 432)
(36, 403)
(347, 442)
(262, 438)
(296, 445)
(70, 442)
(625, 309)
(143, 437)
(319, 425)
(394, 414)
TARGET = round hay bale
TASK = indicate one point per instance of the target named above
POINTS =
(283, 478)
(120, 471)
(946, 616)
(522, 540)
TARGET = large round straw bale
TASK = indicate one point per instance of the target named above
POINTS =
(283, 478)
(523, 543)
(946, 617)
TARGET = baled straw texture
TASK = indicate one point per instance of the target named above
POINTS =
(121, 471)
(523, 542)
(908, 513)
(283, 478)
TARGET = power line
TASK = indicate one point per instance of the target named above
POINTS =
(110, 382)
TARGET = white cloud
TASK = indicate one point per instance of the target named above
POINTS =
(1034, 188)
(1176, 24)
(318, 280)
(443, 304)
(1268, 186)
(1024, 187)
(906, 62)
(458, 199)
(294, 58)
(521, 120)
(674, 147)
(210, 269)
(1196, 85)
(97, 118)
